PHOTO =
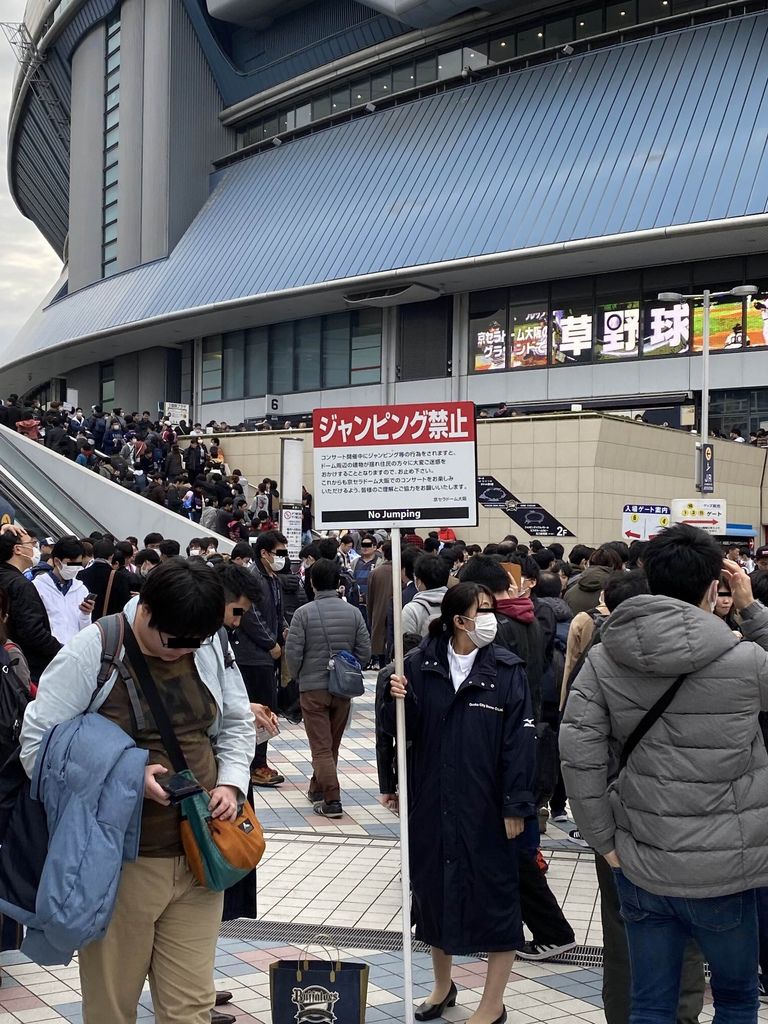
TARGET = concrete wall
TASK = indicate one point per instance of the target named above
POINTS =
(582, 468)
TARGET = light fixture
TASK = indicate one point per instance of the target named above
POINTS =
(540, 35)
(503, 44)
(744, 289)
(670, 297)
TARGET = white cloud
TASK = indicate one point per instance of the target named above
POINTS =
(28, 265)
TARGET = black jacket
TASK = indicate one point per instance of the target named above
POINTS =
(261, 627)
(471, 763)
(28, 624)
(96, 578)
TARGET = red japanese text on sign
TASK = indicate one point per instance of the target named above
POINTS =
(402, 424)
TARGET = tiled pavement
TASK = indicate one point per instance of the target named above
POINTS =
(345, 874)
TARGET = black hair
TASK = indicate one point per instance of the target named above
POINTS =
(103, 549)
(184, 598)
(347, 539)
(328, 547)
(8, 542)
(623, 585)
(210, 542)
(557, 549)
(682, 562)
(579, 552)
(549, 585)
(269, 540)
(146, 555)
(491, 549)
(241, 550)
(486, 570)
(311, 551)
(606, 556)
(170, 548)
(511, 538)
(544, 558)
(522, 550)
(432, 572)
(409, 556)
(67, 547)
(152, 538)
(636, 552)
(536, 545)
(386, 550)
(507, 548)
(431, 545)
(620, 548)
(238, 582)
(456, 601)
(760, 586)
(124, 547)
(325, 574)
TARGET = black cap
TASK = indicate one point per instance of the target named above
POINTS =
(762, 552)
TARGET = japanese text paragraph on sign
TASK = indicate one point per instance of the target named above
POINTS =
(395, 465)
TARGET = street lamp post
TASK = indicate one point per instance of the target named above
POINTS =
(706, 297)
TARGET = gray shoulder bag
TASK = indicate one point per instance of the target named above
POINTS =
(345, 677)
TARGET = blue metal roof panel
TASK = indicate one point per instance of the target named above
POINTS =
(663, 131)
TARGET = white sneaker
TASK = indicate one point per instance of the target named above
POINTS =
(576, 837)
(561, 817)
(541, 951)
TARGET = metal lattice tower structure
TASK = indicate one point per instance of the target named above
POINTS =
(32, 61)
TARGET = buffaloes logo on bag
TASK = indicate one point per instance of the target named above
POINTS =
(314, 1005)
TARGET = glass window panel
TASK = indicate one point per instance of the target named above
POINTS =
(113, 98)
(683, 6)
(110, 213)
(110, 195)
(109, 252)
(336, 343)
(476, 56)
(618, 16)
(113, 62)
(303, 115)
(109, 269)
(426, 71)
(233, 378)
(572, 331)
(366, 340)
(559, 32)
(618, 287)
(718, 275)
(381, 85)
(666, 328)
(726, 325)
(340, 99)
(370, 375)
(113, 80)
(529, 40)
(361, 91)
(650, 10)
(502, 48)
(107, 389)
(488, 330)
(528, 333)
(256, 361)
(425, 333)
(588, 23)
(449, 64)
(309, 336)
(365, 358)
(287, 120)
(617, 330)
(109, 232)
(113, 40)
(403, 77)
(112, 119)
(321, 106)
(113, 25)
(270, 128)
(112, 137)
(281, 359)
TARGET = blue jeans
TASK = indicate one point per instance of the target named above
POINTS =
(658, 928)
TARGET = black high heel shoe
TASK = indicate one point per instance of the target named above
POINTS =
(503, 1018)
(431, 1011)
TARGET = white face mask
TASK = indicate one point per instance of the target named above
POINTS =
(278, 563)
(211, 551)
(484, 632)
(713, 595)
(35, 556)
(247, 563)
(69, 572)
(194, 551)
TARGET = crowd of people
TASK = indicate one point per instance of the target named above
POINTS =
(526, 674)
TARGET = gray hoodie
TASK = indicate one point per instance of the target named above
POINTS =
(688, 816)
(419, 612)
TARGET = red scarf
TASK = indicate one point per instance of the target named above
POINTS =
(518, 608)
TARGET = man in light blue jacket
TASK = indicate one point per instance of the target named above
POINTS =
(164, 924)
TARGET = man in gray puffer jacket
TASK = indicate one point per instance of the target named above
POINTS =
(319, 630)
(685, 824)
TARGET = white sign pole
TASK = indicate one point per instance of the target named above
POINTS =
(402, 779)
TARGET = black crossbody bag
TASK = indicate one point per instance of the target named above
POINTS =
(649, 719)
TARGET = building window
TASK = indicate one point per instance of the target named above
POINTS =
(336, 351)
(110, 187)
(107, 384)
(424, 344)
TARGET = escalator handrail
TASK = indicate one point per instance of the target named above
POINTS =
(24, 499)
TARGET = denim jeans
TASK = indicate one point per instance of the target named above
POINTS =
(762, 924)
(658, 928)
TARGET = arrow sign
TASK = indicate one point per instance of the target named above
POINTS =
(701, 522)
(634, 536)
(529, 516)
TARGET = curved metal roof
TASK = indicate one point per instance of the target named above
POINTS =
(662, 132)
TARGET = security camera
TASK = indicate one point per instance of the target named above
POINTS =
(277, 142)
(370, 107)
(466, 71)
(567, 50)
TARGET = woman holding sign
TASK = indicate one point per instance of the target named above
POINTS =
(471, 779)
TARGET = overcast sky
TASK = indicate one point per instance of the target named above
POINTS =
(28, 265)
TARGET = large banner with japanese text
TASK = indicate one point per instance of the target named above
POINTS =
(395, 465)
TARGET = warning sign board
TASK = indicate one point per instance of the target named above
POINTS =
(643, 522)
(396, 465)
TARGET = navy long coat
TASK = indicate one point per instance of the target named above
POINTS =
(471, 764)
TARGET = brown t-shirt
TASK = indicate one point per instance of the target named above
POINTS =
(192, 711)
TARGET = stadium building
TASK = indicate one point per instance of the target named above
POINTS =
(343, 203)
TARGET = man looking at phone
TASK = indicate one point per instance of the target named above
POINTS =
(66, 598)
(164, 923)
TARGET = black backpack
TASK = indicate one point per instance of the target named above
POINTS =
(14, 698)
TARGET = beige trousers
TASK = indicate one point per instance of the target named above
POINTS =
(165, 925)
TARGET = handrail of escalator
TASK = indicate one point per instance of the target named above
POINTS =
(24, 500)
(36, 472)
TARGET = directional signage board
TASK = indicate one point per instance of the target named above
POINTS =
(536, 521)
(706, 453)
(396, 465)
(708, 514)
(492, 494)
(643, 522)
